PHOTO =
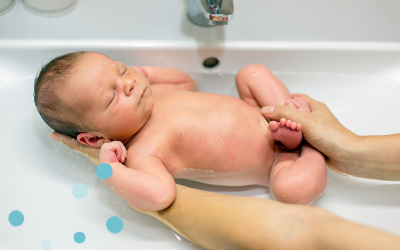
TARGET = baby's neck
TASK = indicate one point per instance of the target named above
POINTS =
(127, 140)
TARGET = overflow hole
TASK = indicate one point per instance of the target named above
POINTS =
(210, 62)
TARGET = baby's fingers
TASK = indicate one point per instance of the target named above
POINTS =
(121, 152)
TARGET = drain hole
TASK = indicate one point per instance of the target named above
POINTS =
(210, 62)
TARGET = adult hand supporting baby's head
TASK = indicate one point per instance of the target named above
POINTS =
(91, 153)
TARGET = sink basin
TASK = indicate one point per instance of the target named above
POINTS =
(356, 74)
(359, 85)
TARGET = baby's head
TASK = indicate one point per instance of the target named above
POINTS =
(93, 98)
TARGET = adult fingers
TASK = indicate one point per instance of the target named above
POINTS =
(91, 153)
(287, 112)
(66, 140)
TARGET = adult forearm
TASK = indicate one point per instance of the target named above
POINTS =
(216, 221)
(335, 233)
(374, 157)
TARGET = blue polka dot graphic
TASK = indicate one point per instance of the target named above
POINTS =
(16, 218)
(79, 237)
(46, 245)
(79, 190)
(104, 171)
(114, 224)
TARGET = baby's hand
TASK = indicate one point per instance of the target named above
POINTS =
(113, 151)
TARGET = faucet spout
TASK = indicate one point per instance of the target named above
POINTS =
(208, 13)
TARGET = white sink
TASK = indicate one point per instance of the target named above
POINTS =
(356, 74)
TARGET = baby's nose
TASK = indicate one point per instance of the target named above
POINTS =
(130, 86)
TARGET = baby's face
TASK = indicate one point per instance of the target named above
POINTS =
(115, 98)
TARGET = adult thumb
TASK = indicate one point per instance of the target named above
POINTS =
(284, 111)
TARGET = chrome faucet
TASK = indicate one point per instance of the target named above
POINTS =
(207, 13)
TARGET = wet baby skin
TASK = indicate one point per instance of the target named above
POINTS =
(170, 131)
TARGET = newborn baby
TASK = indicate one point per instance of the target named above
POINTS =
(170, 131)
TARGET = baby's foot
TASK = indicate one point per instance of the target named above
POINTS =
(286, 133)
(298, 103)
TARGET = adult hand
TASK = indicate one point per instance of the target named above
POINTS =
(320, 128)
(374, 157)
(91, 153)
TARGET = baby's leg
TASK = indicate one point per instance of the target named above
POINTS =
(259, 87)
(298, 179)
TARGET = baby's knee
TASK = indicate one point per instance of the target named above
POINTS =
(253, 70)
(295, 191)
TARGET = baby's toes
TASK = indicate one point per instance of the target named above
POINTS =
(288, 123)
(298, 127)
(303, 104)
(273, 125)
(293, 126)
(282, 122)
(290, 103)
(296, 103)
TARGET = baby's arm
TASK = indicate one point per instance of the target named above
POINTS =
(298, 179)
(150, 190)
(168, 79)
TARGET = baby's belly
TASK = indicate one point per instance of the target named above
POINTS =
(239, 158)
(225, 142)
(253, 176)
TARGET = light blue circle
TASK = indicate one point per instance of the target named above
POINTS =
(104, 171)
(79, 237)
(114, 224)
(79, 190)
(46, 245)
(16, 218)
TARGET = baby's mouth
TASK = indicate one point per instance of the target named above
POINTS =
(141, 95)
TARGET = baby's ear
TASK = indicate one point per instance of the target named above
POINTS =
(90, 139)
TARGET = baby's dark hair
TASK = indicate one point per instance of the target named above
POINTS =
(63, 117)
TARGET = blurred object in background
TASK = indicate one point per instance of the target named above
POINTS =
(6, 6)
(49, 8)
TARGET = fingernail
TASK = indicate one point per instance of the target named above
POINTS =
(267, 109)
